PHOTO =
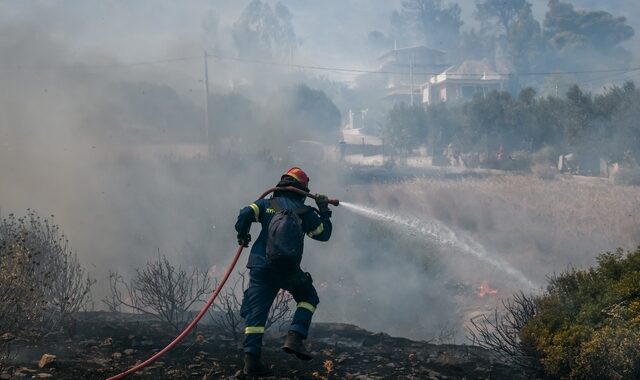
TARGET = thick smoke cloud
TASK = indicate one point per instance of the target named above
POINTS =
(116, 151)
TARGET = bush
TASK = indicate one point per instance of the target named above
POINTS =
(225, 312)
(587, 325)
(500, 332)
(160, 290)
(629, 176)
(516, 161)
(41, 281)
(612, 353)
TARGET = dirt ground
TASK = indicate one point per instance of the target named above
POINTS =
(106, 343)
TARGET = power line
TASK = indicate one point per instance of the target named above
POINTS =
(98, 66)
(363, 71)
(306, 67)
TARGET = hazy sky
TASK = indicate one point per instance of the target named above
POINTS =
(330, 32)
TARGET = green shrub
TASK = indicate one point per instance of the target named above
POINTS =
(587, 324)
(612, 353)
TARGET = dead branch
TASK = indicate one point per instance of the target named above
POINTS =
(160, 290)
(226, 311)
(500, 332)
(281, 309)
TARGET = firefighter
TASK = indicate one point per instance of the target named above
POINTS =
(268, 272)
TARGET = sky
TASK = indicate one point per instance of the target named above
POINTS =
(331, 33)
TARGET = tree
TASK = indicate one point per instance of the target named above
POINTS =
(265, 32)
(524, 41)
(502, 12)
(434, 23)
(621, 106)
(578, 129)
(315, 111)
(406, 128)
(577, 35)
(477, 44)
(491, 121)
(517, 32)
(442, 124)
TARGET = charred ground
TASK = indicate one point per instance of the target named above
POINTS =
(105, 344)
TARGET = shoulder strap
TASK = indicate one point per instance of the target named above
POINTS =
(299, 211)
(302, 210)
(274, 204)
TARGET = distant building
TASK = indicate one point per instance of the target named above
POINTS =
(354, 141)
(408, 68)
(462, 81)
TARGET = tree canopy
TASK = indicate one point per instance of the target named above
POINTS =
(265, 32)
(433, 23)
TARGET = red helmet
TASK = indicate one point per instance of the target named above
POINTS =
(299, 175)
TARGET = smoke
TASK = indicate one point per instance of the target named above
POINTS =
(101, 127)
(435, 231)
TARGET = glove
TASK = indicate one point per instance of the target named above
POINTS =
(244, 239)
(323, 202)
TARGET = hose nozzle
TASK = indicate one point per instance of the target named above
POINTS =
(334, 202)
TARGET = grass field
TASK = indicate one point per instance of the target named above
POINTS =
(539, 226)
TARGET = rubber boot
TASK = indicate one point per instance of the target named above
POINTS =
(293, 345)
(253, 367)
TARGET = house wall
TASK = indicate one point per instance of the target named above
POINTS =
(449, 90)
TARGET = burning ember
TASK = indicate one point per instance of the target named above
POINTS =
(485, 290)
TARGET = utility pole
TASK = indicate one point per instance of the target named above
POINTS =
(207, 134)
(411, 77)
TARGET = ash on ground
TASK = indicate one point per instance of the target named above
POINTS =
(105, 344)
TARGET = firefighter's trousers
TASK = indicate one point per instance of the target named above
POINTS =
(264, 285)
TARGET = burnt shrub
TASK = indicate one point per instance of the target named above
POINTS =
(225, 312)
(501, 331)
(161, 290)
(42, 283)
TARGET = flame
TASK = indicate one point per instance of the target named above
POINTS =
(485, 290)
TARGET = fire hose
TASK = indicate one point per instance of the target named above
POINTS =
(212, 298)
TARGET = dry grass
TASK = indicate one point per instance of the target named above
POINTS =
(539, 226)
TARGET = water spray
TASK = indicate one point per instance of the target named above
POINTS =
(443, 235)
(435, 231)
(213, 297)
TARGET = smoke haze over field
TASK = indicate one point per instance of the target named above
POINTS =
(100, 126)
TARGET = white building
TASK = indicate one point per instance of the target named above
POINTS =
(462, 81)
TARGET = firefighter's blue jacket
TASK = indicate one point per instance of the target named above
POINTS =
(316, 224)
